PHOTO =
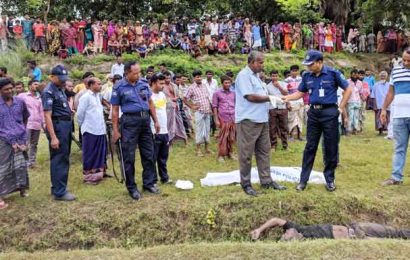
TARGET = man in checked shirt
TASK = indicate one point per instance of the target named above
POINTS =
(197, 99)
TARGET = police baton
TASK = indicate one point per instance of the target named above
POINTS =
(109, 129)
(121, 157)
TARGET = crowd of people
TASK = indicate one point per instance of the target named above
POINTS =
(209, 35)
(251, 110)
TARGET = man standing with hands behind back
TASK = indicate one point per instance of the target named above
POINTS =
(321, 82)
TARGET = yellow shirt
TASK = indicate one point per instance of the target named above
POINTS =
(79, 87)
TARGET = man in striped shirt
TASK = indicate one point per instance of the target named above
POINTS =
(399, 91)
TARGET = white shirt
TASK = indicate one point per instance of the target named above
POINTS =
(214, 29)
(107, 96)
(211, 87)
(90, 114)
(160, 103)
(400, 80)
(397, 63)
(274, 91)
(117, 69)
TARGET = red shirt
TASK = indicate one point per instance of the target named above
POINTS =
(222, 44)
(38, 29)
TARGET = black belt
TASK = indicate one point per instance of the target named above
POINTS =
(142, 114)
(61, 118)
(322, 106)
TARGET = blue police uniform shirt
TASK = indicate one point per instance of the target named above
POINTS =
(329, 80)
(131, 98)
(55, 100)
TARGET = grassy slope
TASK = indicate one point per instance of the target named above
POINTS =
(104, 215)
(318, 249)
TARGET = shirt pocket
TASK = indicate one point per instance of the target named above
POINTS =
(128, 96)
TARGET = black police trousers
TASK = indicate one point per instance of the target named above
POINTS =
(321, 121)
(135, 131)
(60, 158)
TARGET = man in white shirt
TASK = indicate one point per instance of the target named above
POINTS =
(161, 139)
(94, 143)
(212, 86)
(118, 67)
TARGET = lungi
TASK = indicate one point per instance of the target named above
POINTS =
(94, 157)
(203, 127)
(378, 123)
(226, 138)
(13, 170)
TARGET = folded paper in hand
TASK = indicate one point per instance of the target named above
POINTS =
(275, 100)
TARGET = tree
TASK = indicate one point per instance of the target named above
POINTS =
(336, 10)
(302, 10)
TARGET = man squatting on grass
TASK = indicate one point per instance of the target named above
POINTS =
(358, 230)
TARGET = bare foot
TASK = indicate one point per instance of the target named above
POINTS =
(255, 234)
(3, 204)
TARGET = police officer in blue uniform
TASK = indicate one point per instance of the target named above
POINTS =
(133, 95)
(58, 120)
(321, 82)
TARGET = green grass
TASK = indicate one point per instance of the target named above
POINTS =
(105, 217)
(318, 249)
(182, 63)
(106, 221)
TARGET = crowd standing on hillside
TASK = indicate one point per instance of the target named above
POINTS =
(210, 35)
(152, 109)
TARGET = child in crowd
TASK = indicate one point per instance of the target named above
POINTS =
(62, 52)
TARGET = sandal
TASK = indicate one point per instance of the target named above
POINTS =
(199, 154)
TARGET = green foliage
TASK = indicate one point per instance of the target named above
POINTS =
(79, 60)
(15, 60)
(386, 13)
(301, 10)
(76, 74)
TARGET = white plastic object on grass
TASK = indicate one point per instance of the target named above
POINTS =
(184, 185)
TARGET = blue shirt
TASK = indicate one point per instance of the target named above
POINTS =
(248, 83)
(131, 98)
(256, 32)
(370, 81)
(55, 100)
(27, 27)
(329, 80)
(37, 74)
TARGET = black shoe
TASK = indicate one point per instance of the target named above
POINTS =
(331, 186)
(273, 185)
(301, 186)
(135, 195)
(250, 191)
(152, 189)
(168, 182)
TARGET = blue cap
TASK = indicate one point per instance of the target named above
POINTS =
(312, 56)
(60, 72)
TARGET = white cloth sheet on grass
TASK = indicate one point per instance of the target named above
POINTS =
(288, 174)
